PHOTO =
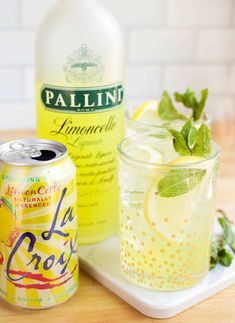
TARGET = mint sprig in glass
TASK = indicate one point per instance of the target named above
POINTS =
(168, 111)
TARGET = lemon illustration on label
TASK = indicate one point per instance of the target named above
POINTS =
(8, 223)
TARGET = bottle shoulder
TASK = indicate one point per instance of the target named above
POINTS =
(85, 43)
(65, 21)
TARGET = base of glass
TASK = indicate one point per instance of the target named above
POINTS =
(163, 283)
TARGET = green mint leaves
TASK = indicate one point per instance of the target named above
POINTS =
(229, 235)
(192, 142)
(219, 252)
(190, 101)
(167, 110)
(179, 181)
(203, 145)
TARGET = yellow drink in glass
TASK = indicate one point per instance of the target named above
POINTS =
(165, 241)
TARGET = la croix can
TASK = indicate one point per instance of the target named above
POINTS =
(38, 224)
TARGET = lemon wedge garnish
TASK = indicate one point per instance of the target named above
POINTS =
(170, 216)
(147, 110)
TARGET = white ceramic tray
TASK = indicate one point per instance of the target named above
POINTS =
(101, 261)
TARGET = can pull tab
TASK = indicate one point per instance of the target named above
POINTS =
(28, 151)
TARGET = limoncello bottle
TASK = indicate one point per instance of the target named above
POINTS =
(80, 102)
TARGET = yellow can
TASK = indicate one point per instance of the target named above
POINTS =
(38, 224)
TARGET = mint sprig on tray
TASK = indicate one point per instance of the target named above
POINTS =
(167, 110)
(223, 244)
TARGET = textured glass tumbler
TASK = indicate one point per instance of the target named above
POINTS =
(165, 232)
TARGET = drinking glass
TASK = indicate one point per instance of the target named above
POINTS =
(165, 230)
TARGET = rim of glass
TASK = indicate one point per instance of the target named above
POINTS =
(216, 153)
(208, 119)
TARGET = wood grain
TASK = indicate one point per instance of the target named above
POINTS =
(94, 303)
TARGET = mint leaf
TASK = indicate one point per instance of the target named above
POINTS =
(179, 143)
(186, 129)
(189, 100)
(213, 263)
(192, 137)
(179, 181)
(219, 253)
(217, 245)
(203, 146)
(198, 111)
(228, 232)
(189, 132)
(190, 141)
(225, 258)
(166, 109)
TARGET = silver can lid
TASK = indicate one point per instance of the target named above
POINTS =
(32, 152)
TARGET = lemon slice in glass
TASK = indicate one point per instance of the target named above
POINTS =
(145, 153)
(147, 110)
(182, 160)
(170, 216)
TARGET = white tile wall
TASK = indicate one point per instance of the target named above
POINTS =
(216, 45)
(32, 11)
(153, 45)
(178, 77)
(9, 14)
(170, 44)
(16, 48)
(199, 12)
(233, 12)
(28, 82)
(149, 81)
(17, 116)
(10, 80)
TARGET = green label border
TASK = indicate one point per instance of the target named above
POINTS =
(83, 99)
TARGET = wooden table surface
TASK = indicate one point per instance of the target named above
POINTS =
(95, 303)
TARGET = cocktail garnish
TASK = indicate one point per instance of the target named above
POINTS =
(167, 110)
(191, 142)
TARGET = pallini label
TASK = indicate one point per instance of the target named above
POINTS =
(82, 100)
